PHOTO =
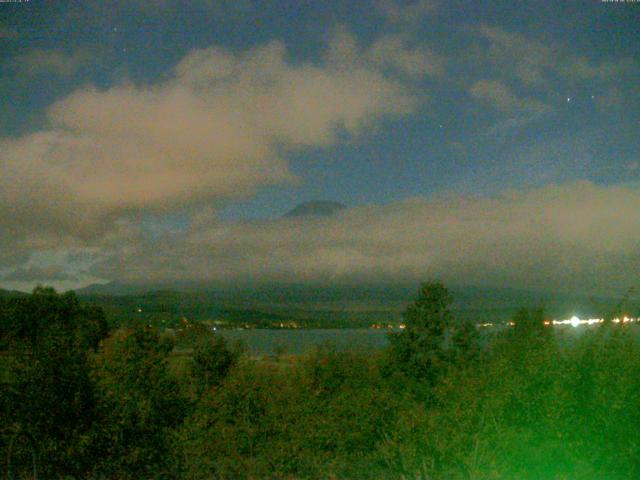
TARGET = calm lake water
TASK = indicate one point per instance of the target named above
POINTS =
(265, 342)
(295, 342)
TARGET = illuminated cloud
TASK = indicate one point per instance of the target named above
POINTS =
(534, 63)
(576, 235)
(53, 61)
(516, 55)
(39, 274)
(396, 12)
(581, 68)
(218, 128)
(133, 174)
(501, 97)
(392, 52)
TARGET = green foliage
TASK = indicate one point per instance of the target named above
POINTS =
(557, 409)
(139, 404)
(320, 417)
(25, 320)
(50, 393)
(465, 340)
(211, 360)
(431, 342)
(51, 396)
(529, 324)
(430, 312)
(532, 403)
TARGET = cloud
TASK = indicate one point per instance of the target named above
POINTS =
(392, 52)
(534, 63)
(98, 13)
(39, 274)
(581, 69)
(572, 236)
(221, 126)
(8, 33)
(501, 97)
(524, 79)
(611, 99)
(514, 54)
(403, 13)
(53, 61)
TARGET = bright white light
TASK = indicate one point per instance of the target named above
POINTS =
(574, 321)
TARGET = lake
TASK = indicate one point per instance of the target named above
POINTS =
(298, 341)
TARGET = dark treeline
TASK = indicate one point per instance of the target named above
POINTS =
(438, 403)
(167, 309)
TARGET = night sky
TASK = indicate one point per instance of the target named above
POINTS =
(482, 143)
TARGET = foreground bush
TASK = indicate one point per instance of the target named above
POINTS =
(48, 390)
(322, 416)
(531, 402)
(553, 409)
(139, 405)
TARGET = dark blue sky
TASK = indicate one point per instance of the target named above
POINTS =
(451, 99)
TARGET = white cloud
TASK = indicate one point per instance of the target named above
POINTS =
(219, 128)
(392, 52)
(501, 97)
(527, 59)
(576, 235)
(39, 274)
(581, 69)
(405, 13)
(611, 99)
(52, 61)
(535, 63)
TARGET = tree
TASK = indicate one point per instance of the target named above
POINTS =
(529, 324)
(465, 342)
(430, 311)
(211, 361)
(25, 320)
(419, 350)
(48, 337)
(140, 404)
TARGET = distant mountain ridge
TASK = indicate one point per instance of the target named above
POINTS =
(11, 293)
(484, 304)
(316, 208)
(114, 289)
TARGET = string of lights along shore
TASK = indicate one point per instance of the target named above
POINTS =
(574, 321)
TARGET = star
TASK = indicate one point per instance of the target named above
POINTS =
(568, 99)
